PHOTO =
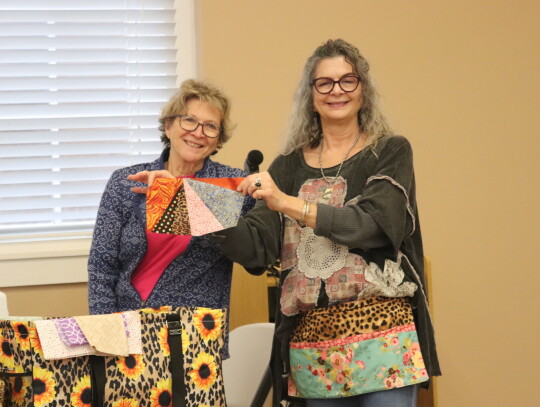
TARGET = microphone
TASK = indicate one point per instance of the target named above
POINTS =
(253, 160)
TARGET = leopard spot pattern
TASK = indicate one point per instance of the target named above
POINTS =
(352, 318)
(145, 378)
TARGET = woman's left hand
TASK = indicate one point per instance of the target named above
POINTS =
(262, 186)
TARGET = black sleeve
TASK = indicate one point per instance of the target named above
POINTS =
(255, 241)
(383, 215)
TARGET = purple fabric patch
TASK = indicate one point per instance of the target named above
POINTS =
(70, 333)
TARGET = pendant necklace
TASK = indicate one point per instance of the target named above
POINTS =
(328, 191)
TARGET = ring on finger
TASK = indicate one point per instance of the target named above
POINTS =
(258, 183)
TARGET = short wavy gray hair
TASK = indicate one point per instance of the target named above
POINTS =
(205, 92)
(304, 123)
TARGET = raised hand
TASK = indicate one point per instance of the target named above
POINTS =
(148, 177)
(262, 186)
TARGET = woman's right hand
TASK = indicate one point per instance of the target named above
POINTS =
(147, 177)
(267, 190)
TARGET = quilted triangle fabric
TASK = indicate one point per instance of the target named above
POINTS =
(185, 206)
(200, 216)
(224, 203)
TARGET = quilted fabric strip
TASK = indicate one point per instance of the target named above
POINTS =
(201, 219)
(229, 183)
(193, 207)
(159, 197)
(52, 345)
(105, 333)
(224, 203)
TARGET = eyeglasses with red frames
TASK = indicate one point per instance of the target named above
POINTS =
(189, 123)
(347, 83)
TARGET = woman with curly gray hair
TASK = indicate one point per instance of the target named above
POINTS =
(305, 122)
(338, 209)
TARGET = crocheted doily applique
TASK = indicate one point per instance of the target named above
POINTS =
(319, 256)
(313, 191)
(388, 282)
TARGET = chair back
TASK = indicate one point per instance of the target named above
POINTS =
(250, 347)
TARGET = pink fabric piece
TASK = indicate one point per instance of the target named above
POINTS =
(133, 324)
(225, 204)
(71, 334)
(54, 348)
(52, 345)
(299, 293)
(162, 250)
(201, 219)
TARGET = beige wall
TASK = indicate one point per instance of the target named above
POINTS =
(461, 80)
(52, 300)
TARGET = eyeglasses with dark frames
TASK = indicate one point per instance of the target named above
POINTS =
(189, 123)
(347, 83)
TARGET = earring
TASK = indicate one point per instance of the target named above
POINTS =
(315, 130)
(314, 137)
(218, 147)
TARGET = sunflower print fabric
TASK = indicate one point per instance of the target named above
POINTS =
(16, 362)
(82, 393)
(133, 381)
(126, 402)
(203, 371)
(34, 381)
(208, 323)
(146, 379)
(161, 394)
(19, 387)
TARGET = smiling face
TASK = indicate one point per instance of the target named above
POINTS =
(337, 106)
(189, 149)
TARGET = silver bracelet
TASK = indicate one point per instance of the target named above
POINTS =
(305, 211)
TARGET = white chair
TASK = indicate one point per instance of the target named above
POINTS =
(3, 305)
(250, 347)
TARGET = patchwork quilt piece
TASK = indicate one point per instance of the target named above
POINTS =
(193, 207)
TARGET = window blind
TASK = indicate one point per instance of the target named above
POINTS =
(82, 84)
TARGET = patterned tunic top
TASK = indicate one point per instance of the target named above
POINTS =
(376, 190)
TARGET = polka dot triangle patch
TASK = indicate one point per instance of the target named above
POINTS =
(185, 206)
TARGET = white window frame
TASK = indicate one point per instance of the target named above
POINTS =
(62, 259)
